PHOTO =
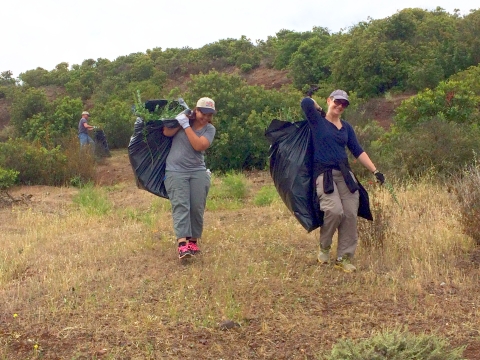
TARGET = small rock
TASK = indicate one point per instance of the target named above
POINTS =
(228, 324)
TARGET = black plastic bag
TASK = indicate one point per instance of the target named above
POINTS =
(291, 170)
(101, 144)
(148, 150)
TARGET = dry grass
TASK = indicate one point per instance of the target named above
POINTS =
(79, 284)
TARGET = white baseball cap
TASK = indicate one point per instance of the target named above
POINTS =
(86, 113)
(206, 105)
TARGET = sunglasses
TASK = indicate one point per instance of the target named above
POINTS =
(339, 102)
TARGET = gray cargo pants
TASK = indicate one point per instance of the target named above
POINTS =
(187, 192)
(340, 212)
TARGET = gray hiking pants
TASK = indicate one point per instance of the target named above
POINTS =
(340, 212)
(187, 192)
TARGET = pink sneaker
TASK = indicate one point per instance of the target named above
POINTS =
(192, 246)
(184, 252)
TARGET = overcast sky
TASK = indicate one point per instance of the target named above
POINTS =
(48, 32)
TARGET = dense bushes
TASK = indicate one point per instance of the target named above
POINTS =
(436, 147)
(451, 101)
(36, 164)
(409, 50)
(115, 118)
(244, 113)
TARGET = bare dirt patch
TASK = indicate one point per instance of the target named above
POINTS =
(383, 109)
(115, 169)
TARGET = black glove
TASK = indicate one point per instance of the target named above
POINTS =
(380, 177)
(322, 112)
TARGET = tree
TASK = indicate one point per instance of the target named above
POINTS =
(30, 102)
(6, 78)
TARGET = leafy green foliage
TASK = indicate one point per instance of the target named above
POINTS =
(8, 177)
(83, 80)
(285, 44)
(25, 105)
(436, 147)
(92, 201)
(59, 120)
(34, 164)
(411, 50)
(451, 101)
(227, 191)
(266, 195)
(36, 78)
(244, 113)
(6, 78)
(395, 345)
(116, 120)
(169, 111)
(310, 64)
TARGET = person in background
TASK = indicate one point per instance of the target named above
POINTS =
(187, 180)
(336, 185)
(83, 128)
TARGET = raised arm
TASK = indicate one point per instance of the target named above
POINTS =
(311, 109)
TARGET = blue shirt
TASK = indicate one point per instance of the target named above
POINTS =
(329, 142)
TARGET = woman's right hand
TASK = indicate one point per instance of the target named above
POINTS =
(183, 120)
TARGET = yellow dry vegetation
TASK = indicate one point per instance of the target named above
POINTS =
(77, 282)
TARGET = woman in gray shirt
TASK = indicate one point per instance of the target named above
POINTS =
(186, 178)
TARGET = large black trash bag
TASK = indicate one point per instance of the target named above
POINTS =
(291, 170)
(148, 150)
(101, 144)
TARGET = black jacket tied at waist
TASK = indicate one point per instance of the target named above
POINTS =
(352, 183)
(328, 177)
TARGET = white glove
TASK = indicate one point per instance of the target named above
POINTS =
(183, 120)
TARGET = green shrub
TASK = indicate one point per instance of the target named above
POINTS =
(451, 101)
(227, 191)
(34, 163)
(58, 120)
(467, 190)
(37, 165)
(265, 196)
(395, 345)
(234, 186)
(8, 178)
(116, 120)
(435, 147)
(240, 141)
(367, 135)
(26, 104)
(93, 201)
(245, 68)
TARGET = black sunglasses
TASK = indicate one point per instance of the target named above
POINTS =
(338, 102)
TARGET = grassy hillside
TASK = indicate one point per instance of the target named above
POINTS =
(93, 273)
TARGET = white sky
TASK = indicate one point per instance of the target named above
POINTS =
(48, 32)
